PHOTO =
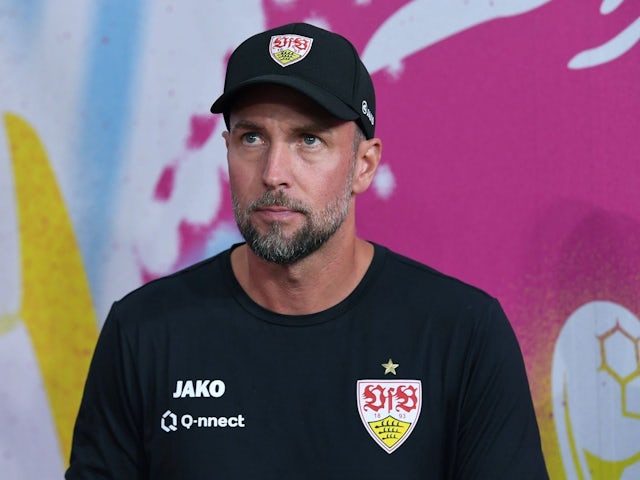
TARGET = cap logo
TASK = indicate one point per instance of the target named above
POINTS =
(368, 113)
(288, 49)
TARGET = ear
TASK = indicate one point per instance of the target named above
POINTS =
(226, 137)
(367, 161)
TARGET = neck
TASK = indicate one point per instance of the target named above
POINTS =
(310, 285)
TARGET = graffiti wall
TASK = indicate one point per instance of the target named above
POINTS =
(511, 133)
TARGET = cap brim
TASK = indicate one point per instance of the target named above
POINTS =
(329, 102)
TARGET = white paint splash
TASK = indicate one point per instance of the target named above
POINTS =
(614, 48)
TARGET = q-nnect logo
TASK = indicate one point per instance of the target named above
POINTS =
(169, 421)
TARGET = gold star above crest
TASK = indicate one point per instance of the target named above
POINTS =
(390, 367)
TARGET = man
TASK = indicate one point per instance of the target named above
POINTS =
(306, 352)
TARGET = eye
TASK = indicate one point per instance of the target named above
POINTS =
(310, 140)
(251, 138)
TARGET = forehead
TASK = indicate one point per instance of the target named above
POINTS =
(281, 103)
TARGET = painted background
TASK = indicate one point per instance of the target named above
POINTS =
(511, 160)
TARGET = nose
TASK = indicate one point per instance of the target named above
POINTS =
(276, 172)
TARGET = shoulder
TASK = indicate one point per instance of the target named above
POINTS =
(182, 292)
(413, 293)
(415, 278)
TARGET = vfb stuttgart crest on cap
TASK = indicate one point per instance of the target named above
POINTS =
(389, 409)
(289, 48)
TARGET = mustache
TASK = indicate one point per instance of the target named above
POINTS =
(278, 198)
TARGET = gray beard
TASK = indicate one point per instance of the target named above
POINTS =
(273, 246)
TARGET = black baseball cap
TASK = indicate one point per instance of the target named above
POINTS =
(320, 64)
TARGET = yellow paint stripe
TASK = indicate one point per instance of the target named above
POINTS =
(602, 469)
(599, 468)
(567, 422)
(56, 300)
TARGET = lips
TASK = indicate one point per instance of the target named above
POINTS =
(276, 205)
(276, 213)
(274, 208)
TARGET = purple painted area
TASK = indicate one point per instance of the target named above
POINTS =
(492, 139)
(193, 237)
(164, 185)
(201, 129)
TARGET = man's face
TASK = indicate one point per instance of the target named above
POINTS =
(291, 170)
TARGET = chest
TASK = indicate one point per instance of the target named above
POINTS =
(269, 401)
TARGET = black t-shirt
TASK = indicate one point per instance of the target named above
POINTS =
(415, 375)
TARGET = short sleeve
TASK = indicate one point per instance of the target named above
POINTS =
(498, 436)
(107, 439)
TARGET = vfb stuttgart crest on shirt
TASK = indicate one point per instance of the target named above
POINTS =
(289, 49)
(389, 409)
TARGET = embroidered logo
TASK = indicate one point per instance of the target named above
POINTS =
(289, 48)
(389, 410)
(366, 111)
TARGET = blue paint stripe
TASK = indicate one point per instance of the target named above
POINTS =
(113, 56)
(26, 15)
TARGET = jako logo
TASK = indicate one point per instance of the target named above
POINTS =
(169, 421)
(201, 388)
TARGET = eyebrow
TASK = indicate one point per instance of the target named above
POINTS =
(311, 127)
(245, 125)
